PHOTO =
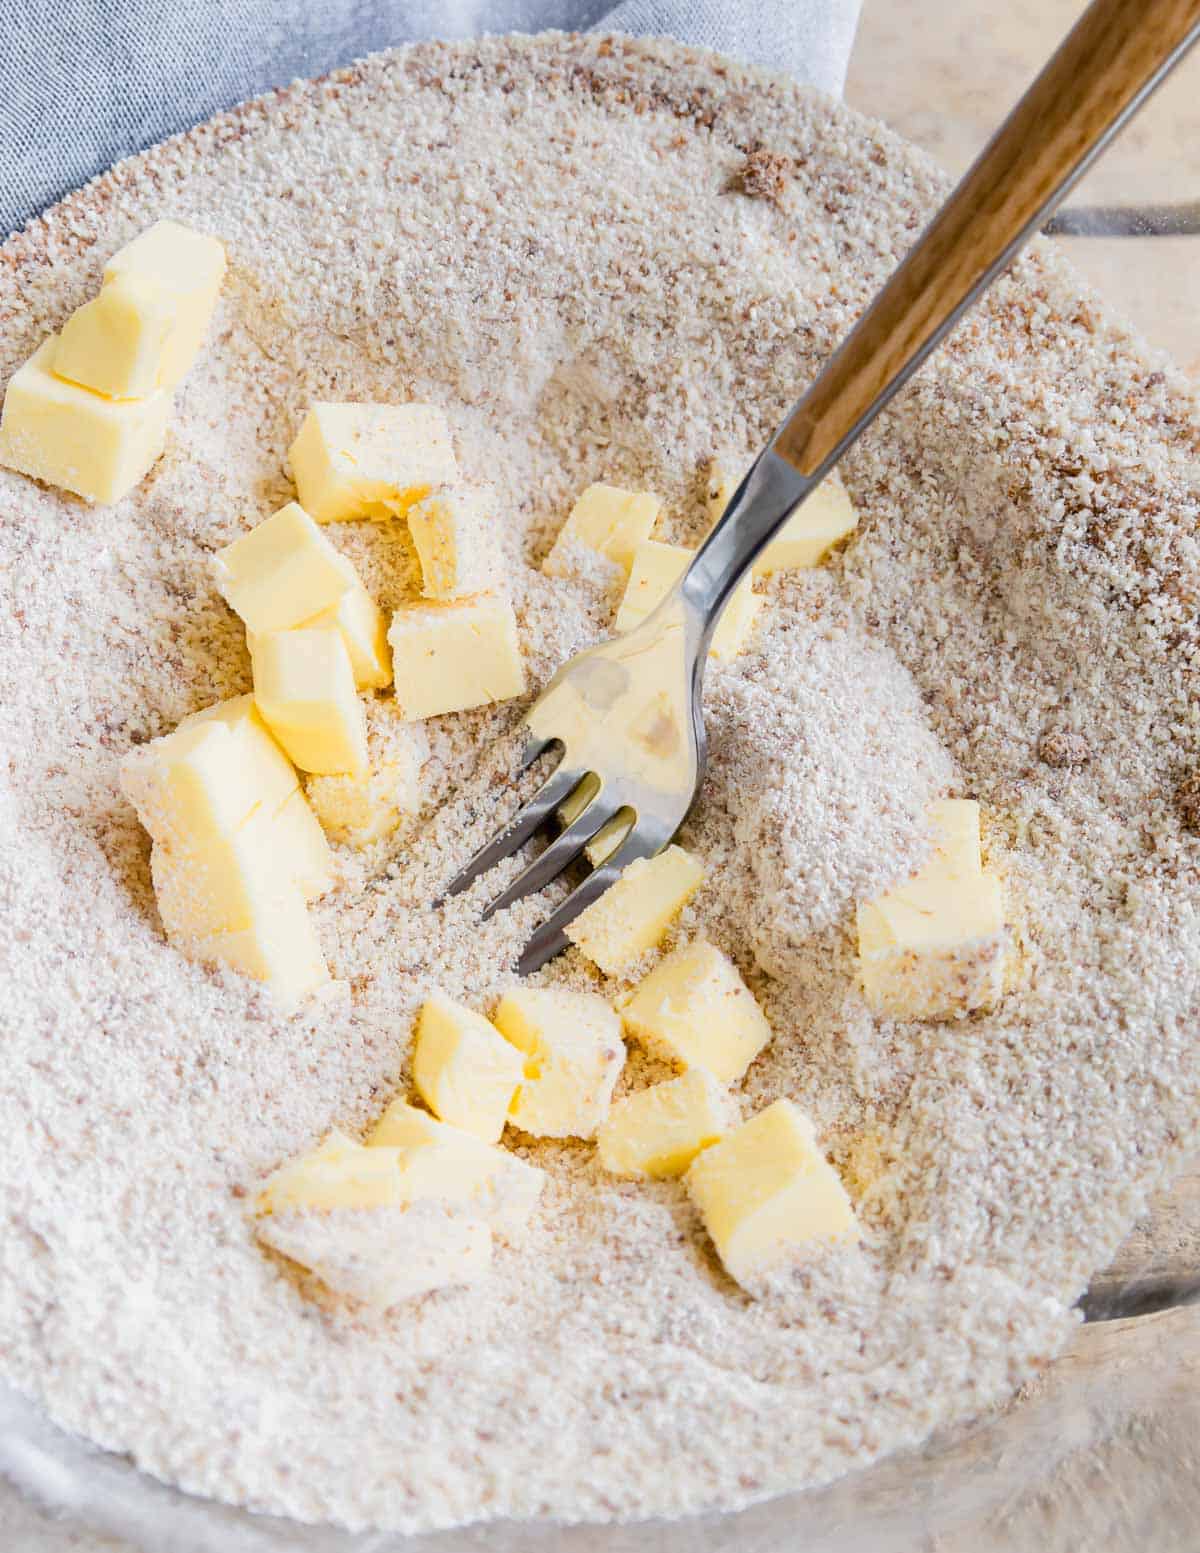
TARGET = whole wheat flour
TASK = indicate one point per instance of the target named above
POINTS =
(547, 238)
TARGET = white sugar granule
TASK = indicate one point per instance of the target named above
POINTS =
(541, 237)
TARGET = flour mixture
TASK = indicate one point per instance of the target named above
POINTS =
(551, 239)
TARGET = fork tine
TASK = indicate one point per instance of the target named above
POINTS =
(561, 851)
(550, 939)
(517, 832)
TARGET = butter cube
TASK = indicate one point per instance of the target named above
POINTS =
(339, 1173)
(304, 688)
(370, 460)
(300, 842)
(633, 913)
(282, 573)
(463, 1068)
(658, 1132)
(766, 1191)
(694, 1009)
(280, 947)
(68, 436)
(218, 777)
(272, 777)
(442, 1163)
(608, 520)
(573, 1057)
(221, 883)
(195, 783)
(363, 808)
(453, 529)
(827, 516)
(936, 946)
(144, 329)
(364, 631)
(382, 1255)
(656, 570)
(448, 656)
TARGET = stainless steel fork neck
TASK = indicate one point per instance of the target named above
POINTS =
(771, 490)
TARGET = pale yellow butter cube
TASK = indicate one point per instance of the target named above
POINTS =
(936, 946)
(300, 842)
(370, 460)
(442, 1163)
(197, 783)
(379, 1256)
(364, 630)
(826, 517)
(766, 1192)
(304, 688)
(658, 1132)
(283, 572)
(633, 913)
(116, 344)
(271, 774)
(361, 809)
(450, 655)
(69, 436)
(339, 1173)
(463, 1068)
(573, 1057)
(453, 529)
(221, 883)
(694, 1009)
(280, 947)
(656, 570)
(608, 520)
(144, 329)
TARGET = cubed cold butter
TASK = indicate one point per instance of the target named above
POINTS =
(379, 1256)
(280, 947)
(362, 808)
(69, 436)
(370, 460)
(936, 946)
(633, 914)
(608, 520)
(304, 688)
(221, 774)
(766, 1192)
(364, 630)
(339, 1173)
(573, 1057)
(453, 529)
(201, 782)
(463, 1068)
(442, 1163)
(659, 1131)
(694, 1009)
(826, 517)
(656, 570)
(143, 330)
(221, 883)
(453, 654)
(283, 572)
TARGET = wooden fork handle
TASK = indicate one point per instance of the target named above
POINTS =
(1113, 58)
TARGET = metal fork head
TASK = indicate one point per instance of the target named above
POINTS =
(626, 717)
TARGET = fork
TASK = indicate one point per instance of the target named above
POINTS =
(626, 717)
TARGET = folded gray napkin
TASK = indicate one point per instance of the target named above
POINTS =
(85, 82)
